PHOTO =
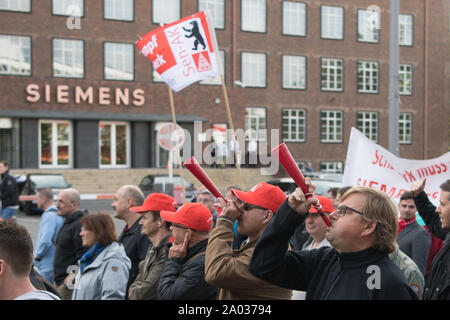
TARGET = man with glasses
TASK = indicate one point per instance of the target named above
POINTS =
(227, 269)
(183, 275)
(208, 200)
(363, 233)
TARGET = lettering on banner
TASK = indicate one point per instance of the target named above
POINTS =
(391, 191)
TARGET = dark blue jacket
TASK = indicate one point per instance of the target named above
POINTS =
(9, 190)
(324, 273)
(437, 282)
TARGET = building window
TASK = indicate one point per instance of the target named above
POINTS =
(217, 79)
(406, 79)
(332, 74)
(331, 126)
(68, 7)
(332, 22)
(253, 69)
(368, 26)
(255, 123)
(119, 10)
(68, 58)
(253, 15)
(367, 123)
(368, 77)
(294, 18)
(55, 144)
(114, 144)
(165, 11)
(301, 165)
(293, 125)
(405, 29)
(405, 128)
(119, 61)
(331, 166)
(216, 8)
(294, 72)
(15, 56)
(15, 5)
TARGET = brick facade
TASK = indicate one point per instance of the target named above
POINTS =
(197, 101)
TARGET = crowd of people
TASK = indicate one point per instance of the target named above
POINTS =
(255, 244)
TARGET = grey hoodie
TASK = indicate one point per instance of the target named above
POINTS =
(106, 277)
(37, 295)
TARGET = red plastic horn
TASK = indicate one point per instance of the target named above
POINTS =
(288, 162)
(192, 165)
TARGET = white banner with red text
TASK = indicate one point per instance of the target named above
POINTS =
(370, 165)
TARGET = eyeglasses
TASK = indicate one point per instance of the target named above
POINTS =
(248, 206)
(342, 210)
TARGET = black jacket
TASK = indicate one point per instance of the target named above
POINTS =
(324, 273)
(69, 247)
(184, 279)
(437, 282)
(9, 190)
(136, 247)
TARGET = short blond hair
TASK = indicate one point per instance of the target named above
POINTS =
(380, 208)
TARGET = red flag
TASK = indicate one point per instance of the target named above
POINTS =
(182, 52)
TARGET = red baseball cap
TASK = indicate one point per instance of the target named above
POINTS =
(327, 205)
(263, 195)
(192, 215)
(156, 202)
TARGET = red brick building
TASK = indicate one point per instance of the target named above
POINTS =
(74, 93)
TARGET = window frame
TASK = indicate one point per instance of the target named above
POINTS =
(334, 163)
(242, 18)
(132, 46)
(399, 30)
(67, 15)
(83, 57)
(31, 56)
(343, 79)
(165, 22)
(363, 91)
(378, 34)
(335, 140)
(403, 121)
(54, 124)
(365, 121)
(119, 19)
(21, 11)
(296, 129)
(259, 131)
(213, 15)
(321, 23)
(305, 22)
(283, 72)
(400, 86)
(243, 53)
(113, 149)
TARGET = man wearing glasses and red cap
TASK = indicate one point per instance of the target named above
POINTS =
(227, 269)
(357, 267)
(183, 275)
(157, 231)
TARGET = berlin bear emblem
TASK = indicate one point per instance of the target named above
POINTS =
(195, 32)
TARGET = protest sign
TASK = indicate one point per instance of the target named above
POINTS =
(370, 165)
(182, 52)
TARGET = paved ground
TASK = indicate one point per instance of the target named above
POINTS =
(31, 222)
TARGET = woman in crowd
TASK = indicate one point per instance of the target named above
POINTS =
(104, 269)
